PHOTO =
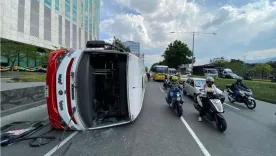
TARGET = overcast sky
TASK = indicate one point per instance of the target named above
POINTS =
(244, 27)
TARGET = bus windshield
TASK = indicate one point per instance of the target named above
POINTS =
(161, 70)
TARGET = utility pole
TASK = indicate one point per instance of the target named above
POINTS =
(193, 47)
(244, 66)
(143, 58)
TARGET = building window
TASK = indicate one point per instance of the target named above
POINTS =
(86, 3)
(67, 9)
(86, 15)
(90, 17)
(81, 20)
(74, 11)
(57, 5)
(48, 3)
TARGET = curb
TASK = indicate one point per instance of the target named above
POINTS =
(22, 108)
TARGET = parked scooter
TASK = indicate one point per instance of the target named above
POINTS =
(244, 97)
(215, 112)
(176, 101)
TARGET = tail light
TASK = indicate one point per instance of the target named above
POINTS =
(59, 60)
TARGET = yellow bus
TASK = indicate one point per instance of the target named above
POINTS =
(159, 72)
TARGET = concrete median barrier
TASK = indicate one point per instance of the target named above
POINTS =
(17, 100)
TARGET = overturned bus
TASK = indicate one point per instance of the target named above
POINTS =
(94, 88)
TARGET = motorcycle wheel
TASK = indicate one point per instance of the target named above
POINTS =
(195, 98)
(230, 100)
(179, 111)
(251, 104)
(165, 86)
(221, 124)
(167, 100)
(184, 93)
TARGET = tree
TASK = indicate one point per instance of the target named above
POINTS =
(43, 57)
(117, 43)
(15, 51)
(263, 69)
(219, 62)
(157, 63)
(272, 64)
(236, 61)
(33, 55)
(177, 53)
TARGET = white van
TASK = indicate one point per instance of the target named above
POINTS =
(210, 72)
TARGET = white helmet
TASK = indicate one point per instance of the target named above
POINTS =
(210, 79)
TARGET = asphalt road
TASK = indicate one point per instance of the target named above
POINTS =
(157, 131)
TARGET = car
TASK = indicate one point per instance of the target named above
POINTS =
(192, 87)
(232, 76)
(183, 78)
(94, 88)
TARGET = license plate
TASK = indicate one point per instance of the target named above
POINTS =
(46, 91)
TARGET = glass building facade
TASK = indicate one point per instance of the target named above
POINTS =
(133, 46)
(51, 23)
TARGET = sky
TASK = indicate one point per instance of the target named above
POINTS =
(245, 29)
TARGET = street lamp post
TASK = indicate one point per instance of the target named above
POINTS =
(193, 33)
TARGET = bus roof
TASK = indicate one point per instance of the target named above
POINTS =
(160, 66)
(172, 69)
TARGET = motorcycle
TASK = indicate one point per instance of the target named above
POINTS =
(148, 76)
(215, 112)
(244, 97)
(176, 102)
(181, 86)
(166, 84)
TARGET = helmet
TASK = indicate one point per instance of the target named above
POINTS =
(210, 81)
(174, 79)
(239, 79)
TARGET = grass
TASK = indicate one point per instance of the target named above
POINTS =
(33, 78)
(264, 91)
(11, 74)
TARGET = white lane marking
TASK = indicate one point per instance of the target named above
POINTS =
(46, 118)
(161, 89)
(201, 146)
(52, 151)
(231, 106)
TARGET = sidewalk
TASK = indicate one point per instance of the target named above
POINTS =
(9, 86)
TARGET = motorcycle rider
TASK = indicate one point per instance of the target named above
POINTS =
(221, 97)
(174, 84)
(208, 88)
(237, 86)
(148, 75)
